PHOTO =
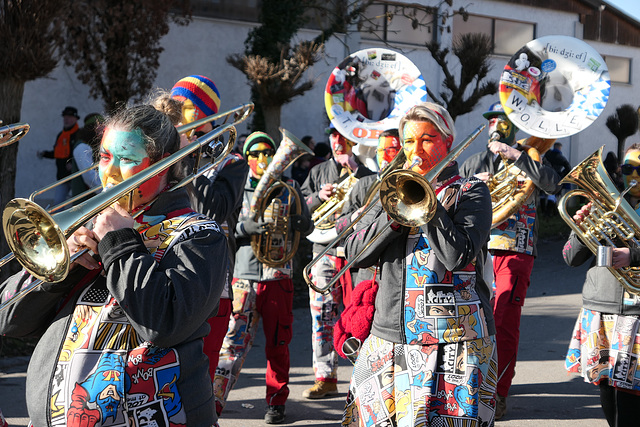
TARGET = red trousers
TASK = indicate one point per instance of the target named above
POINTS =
(512, 274)
(212, 342)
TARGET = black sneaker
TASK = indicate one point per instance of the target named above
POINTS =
(274, 415)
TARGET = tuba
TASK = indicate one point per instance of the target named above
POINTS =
(549, 95)
(366, 94)
(611, 218)
(280, 242)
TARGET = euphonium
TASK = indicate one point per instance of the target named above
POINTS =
(611, 221)
(280, 242)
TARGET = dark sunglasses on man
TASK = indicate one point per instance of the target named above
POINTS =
(256, 153)
(628, 169)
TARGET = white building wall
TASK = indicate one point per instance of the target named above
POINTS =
(202, 48)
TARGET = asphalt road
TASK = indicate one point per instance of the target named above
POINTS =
(543, 393)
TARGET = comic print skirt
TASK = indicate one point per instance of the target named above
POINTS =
(423, 385)
(606, 347)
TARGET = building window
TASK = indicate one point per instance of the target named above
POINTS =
(507, 36)
(619, 68)
(241, 10)
(407, 24)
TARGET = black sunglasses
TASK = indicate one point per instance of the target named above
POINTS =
(256, 154)
(628, 169)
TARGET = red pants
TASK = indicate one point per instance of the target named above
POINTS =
(512, 274)
(212, 342)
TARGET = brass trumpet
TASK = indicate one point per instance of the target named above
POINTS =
(611, 218)
(13, 133)
(407, 197)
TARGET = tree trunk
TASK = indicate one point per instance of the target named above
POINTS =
(11, 92)
(272, 121)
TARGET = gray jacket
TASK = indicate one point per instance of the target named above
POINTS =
(324, 173)
(155, 327)
(601, 290)
(456, 235)
(544, 178)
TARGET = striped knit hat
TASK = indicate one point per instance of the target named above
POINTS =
(255, 138)
(201, 91)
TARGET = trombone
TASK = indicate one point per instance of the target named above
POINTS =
(38, 239)
(240, 113)
(14, 133)
(407, 197)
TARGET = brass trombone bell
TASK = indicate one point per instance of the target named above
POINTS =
(16, 130)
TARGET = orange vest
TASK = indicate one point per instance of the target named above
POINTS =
(62, 149)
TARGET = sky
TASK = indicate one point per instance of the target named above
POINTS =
(630, 7)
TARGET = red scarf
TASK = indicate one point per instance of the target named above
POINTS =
(62, 149)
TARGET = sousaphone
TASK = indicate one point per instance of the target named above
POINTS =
(553, 87)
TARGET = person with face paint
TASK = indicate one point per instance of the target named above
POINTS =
(317, 188)
(127, 324)
(260, 292)
(388, 147)
(603, 345)
(513, 242)
(432, 305)
(217, 193)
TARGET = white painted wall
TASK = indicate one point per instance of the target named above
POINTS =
(201, 48)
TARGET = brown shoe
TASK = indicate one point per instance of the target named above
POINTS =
(501, 406)
(321, 389)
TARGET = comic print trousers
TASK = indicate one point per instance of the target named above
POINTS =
(325, 309)
(271, 301)
(512, 273)
(409, 385)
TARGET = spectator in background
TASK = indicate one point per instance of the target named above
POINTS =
(322, 152)
(300, 168)
(84, 150)
(62, 152)
(612, 166)
(237, 148)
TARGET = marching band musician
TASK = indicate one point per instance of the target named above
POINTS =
(388, 147)
(512, 243)
(217, 194)
(603, 345)
(128, 325)
(430, 356)
(260, 291)
(317, 188)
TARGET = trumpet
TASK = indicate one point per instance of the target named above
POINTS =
(407, 197)
(13, 133)
(38, 239)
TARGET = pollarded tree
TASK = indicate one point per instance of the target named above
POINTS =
(27, 52)
(622, 125)
(114, 45)
(473, 51)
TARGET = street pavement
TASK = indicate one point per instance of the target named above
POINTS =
(543, 393)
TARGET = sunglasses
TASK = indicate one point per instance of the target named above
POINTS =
(256, 154)
(628, 169)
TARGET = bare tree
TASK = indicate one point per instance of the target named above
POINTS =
(461, 95)
(27, 52)
(622, 125)
(114, 45)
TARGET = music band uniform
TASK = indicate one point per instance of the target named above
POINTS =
(259, 292)
(513, 246)
(325, 307)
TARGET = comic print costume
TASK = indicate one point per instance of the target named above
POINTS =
(125, 348)
(431, 352)
(259, 292)
(325, 308)
(513, 246)
(604, 344)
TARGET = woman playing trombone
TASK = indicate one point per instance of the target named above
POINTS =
(430, 356)
(121, 336)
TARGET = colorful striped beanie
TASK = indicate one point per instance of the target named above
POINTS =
(201, 91)
(255, 138)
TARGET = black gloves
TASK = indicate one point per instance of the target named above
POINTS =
(252, 227)
(300, 222)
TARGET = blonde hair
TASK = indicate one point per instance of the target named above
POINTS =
(430, 112)
(162, 101)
